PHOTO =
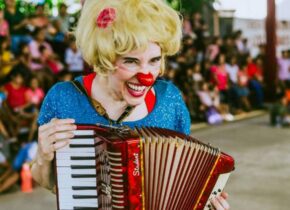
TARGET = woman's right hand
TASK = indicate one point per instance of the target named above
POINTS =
(53, 136)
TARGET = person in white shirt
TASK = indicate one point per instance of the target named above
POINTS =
(232, 69)
(74, 59)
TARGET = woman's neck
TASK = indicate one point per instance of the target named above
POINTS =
(110, 100)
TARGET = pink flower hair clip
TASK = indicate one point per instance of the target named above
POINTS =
(106, 17)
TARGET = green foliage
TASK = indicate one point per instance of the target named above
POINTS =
(1, 4)
(189, 6)
(27, 7)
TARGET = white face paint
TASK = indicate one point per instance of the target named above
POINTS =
(124, 83)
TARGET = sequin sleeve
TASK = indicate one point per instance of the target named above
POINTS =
(182, 114)
(48, 109)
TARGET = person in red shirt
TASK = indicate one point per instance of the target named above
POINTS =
(16, 100)
(255, 76)
(16, 92)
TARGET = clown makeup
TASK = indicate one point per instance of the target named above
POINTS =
(124, 81)
(133, 64)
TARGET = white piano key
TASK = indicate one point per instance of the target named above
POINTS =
(66, 181)
(82, 141)
(70, 192)
(68, 149)
(75, 162)
(79, 202)
(70, 196)
(68, 170)
(70, 204)
(68, 177)
(67, 156)
(75, 183)
(84, 132)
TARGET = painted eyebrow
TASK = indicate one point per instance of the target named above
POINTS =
(137, 60)
(157, 57)
(130, 58)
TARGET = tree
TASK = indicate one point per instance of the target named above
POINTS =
(27, 7)
(189, 6)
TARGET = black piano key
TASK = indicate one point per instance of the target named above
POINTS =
(82, 158)
(83, 176)
(84, 137)
(82, 166)
(85, 208)
(83, 188)
(81, 145)
(85, 197)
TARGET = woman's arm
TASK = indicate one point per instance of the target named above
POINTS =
(52, 136)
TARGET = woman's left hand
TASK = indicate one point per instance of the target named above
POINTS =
(220, 202)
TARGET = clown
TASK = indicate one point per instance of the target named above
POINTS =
(126, 42)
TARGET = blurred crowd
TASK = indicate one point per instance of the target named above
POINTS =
(220, 78)
(217, 76)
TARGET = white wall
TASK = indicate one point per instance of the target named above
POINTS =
(254, 9)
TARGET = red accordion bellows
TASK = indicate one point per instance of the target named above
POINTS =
(149, 168)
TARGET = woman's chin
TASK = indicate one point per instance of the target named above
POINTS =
(134, 98)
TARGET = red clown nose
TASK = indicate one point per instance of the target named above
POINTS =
(145, 79)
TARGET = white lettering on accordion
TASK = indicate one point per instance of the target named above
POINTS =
(136, 171)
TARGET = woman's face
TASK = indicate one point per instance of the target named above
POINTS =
(124, 83)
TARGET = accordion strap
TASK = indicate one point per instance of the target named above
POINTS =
(98, 106)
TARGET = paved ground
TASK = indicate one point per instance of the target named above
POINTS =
(261, 180)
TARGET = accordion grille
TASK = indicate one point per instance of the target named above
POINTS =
(175, 169)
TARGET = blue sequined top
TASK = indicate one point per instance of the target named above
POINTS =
(65, 101)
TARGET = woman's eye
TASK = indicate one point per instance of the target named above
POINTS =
(130, 62)
(155, 60)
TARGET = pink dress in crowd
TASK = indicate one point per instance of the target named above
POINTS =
(34, 51)
(35, 96)
(220, 76)
(4, 28)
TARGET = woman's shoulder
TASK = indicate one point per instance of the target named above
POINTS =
(166, 88)
(62, 88)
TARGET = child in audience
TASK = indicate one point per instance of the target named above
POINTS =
(4, 26)
(6, 57)
(50, 60)
(34, 94)
(17, 101)
(73, 59)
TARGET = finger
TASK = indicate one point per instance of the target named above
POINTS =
(60, 144)
(48, 148)
(216, 204)
(56, 137)
(56, 121)
(61, 128)
(223, 203)
(63, 121)
(47, 125)
(225, 195)
(58, 129)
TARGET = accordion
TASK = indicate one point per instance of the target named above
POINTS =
(146, 168)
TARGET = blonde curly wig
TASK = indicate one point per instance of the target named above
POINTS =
(137, 23)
